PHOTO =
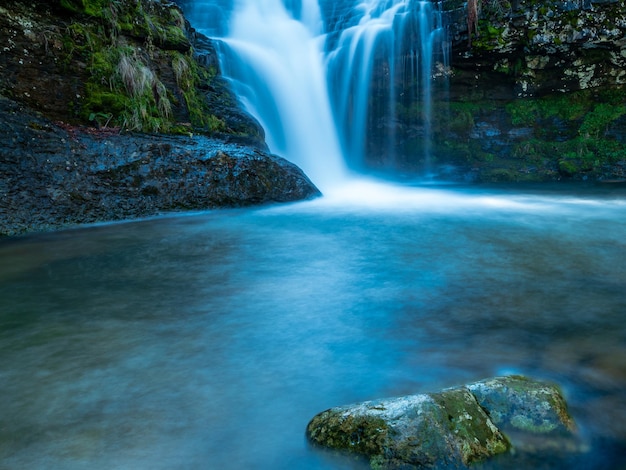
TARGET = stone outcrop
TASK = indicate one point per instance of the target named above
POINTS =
(540, 47)
(53, 175)
(116, 110)
(540, 94)
(454, 428)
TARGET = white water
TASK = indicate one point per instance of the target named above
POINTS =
(275, 63)
(400, 39)
(312, 92)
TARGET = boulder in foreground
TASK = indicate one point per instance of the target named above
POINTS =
(454, 428)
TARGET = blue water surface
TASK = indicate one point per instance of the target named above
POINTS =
(209, 340)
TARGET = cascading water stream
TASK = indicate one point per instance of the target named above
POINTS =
(383, 61)
(326, 79)
(273, 57)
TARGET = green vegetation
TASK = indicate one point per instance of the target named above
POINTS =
(533, 139)
(490, 36)
(569, 107)
(587, 114)
(358, 434)
(89, 7)
(117, 40)
(188, 76)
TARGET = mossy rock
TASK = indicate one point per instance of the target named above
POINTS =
(418, 431)
(455, 428)
(525, 409)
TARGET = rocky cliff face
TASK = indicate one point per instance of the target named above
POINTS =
(538, 95)
(540, 47)
(137, 66)
(112, 110)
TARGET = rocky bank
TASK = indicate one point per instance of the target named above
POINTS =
(54, 175)
(116, 110)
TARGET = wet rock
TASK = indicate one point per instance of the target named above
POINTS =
(68, 156)
(553, 46)
(538, 97)
(54, 175)
(454, 428)
(524, 409)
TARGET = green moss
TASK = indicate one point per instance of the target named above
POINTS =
(474, 107)
(189, 77)
(598, 108)
(95, 8)
(570, 127)
(523, 112)
(489, 37)
(468, 422)
(530, 111)
(589, 114)
(597, 120)
(568, 167)
(461, 122)
(359, 434)
(101, 100)
(125, 44)
(122, 86)
(79, 41)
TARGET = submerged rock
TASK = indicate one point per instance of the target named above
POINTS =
(522, 408)
(454, 428)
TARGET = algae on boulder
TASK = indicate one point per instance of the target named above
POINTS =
(520, 406)
(457, 427)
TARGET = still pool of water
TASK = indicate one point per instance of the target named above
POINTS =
(208, 340)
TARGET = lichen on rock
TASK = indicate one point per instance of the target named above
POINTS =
(454, 428)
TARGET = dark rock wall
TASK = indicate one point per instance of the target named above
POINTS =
(53, 175)
(543, 47)
(539, 95)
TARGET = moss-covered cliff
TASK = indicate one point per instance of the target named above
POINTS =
(115, 109)
(539, 94)
(134, 65)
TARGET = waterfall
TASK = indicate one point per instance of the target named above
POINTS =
(384, 59)
(328, 80)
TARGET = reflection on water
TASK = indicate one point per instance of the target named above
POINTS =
(209, 341)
